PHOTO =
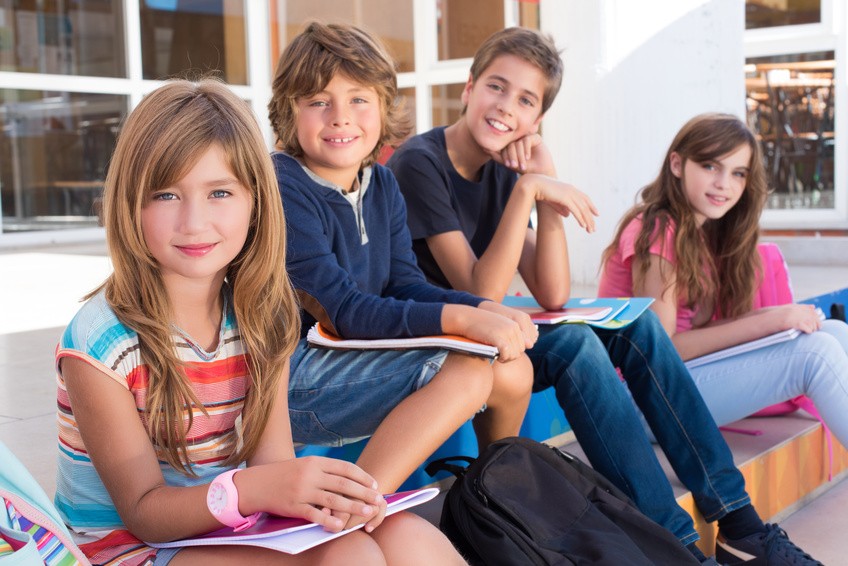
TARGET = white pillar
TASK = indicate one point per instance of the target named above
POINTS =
(634, 73)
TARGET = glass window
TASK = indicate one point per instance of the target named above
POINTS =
(54, 149)
(528, 14)
(193, 36)
(463, 26)
(790, 101)
(63, 38)
(390, 20)
(447, 104)
(774, 13)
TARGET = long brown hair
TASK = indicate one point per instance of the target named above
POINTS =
(158, 144)
(311, 61)
(726, 247)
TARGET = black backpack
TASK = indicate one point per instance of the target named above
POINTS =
(522, 502)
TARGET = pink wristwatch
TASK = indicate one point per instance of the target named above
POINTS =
(222, 500)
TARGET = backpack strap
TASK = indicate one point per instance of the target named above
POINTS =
(775, 288)
(444, 465)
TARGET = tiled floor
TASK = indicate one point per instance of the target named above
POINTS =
(40, 290)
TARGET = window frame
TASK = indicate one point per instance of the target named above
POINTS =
(827, 35)
(134, 87)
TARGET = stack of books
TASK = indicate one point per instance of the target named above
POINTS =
(603, 313)
(600, 312)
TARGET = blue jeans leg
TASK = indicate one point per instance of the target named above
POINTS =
(677, 415)
(573, 360)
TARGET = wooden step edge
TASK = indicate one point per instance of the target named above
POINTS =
(782, 479)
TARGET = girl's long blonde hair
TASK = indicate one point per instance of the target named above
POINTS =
(717, 264)
(158, 144)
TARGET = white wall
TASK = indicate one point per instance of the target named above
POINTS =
(634, 73)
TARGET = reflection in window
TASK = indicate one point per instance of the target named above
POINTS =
(63, 38)
(528, 14)
(390, 20)
(447, 104)
(464, 25)
(774, 13)
(180, 37)
(54, 148)
(790, 101)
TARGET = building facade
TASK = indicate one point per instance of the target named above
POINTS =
(70, 70)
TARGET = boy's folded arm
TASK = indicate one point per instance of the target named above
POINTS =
(428, 293)
(406, 280)
(351, 313)
(490, 274)
(529, 154)
(544, 264)
(424, 185)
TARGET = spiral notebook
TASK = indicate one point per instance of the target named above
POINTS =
(320, 337)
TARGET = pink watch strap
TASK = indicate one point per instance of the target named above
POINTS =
(230, 514)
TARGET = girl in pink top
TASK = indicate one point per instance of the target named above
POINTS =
(691, 243)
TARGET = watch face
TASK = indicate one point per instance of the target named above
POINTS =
(216, 498)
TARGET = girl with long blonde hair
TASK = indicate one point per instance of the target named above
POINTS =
(691, 243)
(174, 373)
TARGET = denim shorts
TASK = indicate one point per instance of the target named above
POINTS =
(165, 555)
(341, 396)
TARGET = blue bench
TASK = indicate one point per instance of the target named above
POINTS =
(826, 301)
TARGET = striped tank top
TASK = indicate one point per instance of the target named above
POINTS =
(220, 380)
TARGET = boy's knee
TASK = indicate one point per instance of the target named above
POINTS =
(647, 326)
(514, 378)
(558, 349)
(472, 376)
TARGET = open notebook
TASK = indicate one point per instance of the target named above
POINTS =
(771, 339)
(319, 336)
(291, 535)
(600, 312)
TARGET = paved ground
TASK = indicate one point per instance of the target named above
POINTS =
(40, 290)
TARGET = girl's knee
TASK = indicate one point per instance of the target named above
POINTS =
(838, 330)
(353, 548)
(408, 539)
(826, 347)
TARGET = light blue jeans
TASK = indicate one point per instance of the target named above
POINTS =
(815, 365)
(341, 396)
